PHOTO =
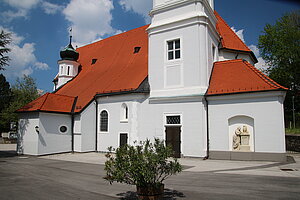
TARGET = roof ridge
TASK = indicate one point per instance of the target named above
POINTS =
(112, 37)
(234, 34)
(228, 61)
(47, 94)
(264, 77)
(62, 95)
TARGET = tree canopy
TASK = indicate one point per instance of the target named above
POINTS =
(280, 48)
(23, 92)
(5, 39)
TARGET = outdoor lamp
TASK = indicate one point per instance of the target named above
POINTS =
(37, 129)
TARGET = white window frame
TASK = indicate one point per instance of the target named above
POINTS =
(174, 49)
(170, 115)
(124, 109)
(99, 123)
(65, 133)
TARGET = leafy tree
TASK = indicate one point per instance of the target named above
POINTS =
(280, 47)
(5, 92)
(23, 92)
(5, 39)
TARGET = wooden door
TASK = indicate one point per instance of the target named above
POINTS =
(123, 139)
(173, 139)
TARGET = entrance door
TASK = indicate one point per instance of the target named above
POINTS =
(123, 139)
(173, 139)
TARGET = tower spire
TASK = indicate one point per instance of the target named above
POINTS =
(71, 35)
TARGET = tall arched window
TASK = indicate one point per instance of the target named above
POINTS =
(104, 121)
(124, 112)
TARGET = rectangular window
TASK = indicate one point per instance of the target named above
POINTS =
(173, 119)
(174, 49)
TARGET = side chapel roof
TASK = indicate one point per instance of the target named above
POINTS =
(237, 76)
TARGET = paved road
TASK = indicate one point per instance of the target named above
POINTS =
(42, 178)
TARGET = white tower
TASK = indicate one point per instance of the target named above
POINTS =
(67, 66)
(183, 44)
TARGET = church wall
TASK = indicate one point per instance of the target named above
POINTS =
(51, 138)
(266, 111)
(228, 55)
(147, 120)
(88, 128)
(193, 123)
(116, 124)
(27, 135)
(77, 133)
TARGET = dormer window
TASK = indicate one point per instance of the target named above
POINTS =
(174, 49)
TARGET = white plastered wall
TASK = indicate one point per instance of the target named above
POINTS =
(88, 128)
(265, 108)
(231, 55)
(147, 121)
(27, 135)
(51, 139)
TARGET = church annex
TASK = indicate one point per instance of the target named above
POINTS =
(186, 78)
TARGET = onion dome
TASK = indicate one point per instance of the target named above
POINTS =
(69, 53)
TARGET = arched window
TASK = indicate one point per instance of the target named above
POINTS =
(124, 112)
(68, 70)
(104, 121)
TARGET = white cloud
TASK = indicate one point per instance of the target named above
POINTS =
(90, 19)
(141, 7)
(261, 64)
(239, 33)
(23, 60)
(21, 8)
(51, 8)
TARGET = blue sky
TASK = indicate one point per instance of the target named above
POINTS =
(40, 27)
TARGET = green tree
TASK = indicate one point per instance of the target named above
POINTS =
(280, 47)
(5, 39)
(23, 92)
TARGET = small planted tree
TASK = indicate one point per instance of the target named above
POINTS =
(145, 165)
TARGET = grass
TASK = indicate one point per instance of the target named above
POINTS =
(292, 131)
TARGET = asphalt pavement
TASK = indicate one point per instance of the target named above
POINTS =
(80, 176)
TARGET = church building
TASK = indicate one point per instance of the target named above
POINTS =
(186, 78)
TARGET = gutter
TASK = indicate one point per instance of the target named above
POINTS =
(207, 131)
(96, 134)
(72, 123)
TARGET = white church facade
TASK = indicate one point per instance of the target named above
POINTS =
(186, 78)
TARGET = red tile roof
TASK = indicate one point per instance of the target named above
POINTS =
(236, 76)
(50, 102)
(229, 39)
(117, 67)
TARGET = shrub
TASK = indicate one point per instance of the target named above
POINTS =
(144, 165)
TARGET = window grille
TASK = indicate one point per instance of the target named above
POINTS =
(173, 119)
(104, 121)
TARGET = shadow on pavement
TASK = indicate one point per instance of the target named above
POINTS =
(168, 195)
(8, 154)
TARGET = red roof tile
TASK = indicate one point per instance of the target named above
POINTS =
(236, 76)
(229, 39)
(117, 66)
(50, 102)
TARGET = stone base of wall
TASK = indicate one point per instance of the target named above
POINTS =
(292, 142)
(233, 155)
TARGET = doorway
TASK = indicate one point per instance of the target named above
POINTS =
(173, 139)
(123, 139)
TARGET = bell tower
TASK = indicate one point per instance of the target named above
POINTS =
(183, 42)
(67, 66)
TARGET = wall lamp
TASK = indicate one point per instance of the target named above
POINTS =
(37, 129)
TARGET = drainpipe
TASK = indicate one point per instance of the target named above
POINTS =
(207, 131)
(72, 123)
(96, 134)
